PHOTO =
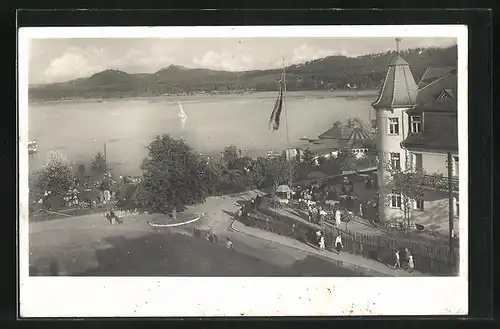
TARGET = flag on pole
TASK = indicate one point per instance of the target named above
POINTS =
(274, 120)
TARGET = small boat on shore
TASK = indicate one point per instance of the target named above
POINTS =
(32, 147)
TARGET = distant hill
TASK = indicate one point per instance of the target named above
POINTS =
(334, 72)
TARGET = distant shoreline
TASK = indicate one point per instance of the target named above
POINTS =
(292, 94)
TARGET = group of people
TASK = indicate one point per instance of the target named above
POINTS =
(317, 193)
(339, 246)
(334, 214)
(71, 198)
(408, 260)
(325, 202)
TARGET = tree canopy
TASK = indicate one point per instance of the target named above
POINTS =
(56, 175)
(228, 156)
(308, 157)
(273, 170)
(98, 165)
(174, 176)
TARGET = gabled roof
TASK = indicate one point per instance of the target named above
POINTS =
(341, 132)
(399, 89)
(359, 139)
(326, 145)
(432, 74)
(437, 103)
(447, 85)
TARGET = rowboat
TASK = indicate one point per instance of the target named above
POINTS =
(32, 146)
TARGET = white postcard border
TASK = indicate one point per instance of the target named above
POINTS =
(252, 296)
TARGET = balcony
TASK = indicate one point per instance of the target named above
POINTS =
(443, 184)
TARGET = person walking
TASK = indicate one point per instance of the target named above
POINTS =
(322, 215)
(407, 258)
(411, 264)
(338, 244)
(338, 216)
(229, 243)
(397, 263)
(322, 242)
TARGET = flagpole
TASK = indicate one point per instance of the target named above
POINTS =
(286, 123)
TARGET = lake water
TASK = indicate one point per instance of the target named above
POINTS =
(79, 129)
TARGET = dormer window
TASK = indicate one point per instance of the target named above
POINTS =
(416, 124)
(446, 94)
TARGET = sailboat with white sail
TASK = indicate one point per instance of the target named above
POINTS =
(182, 115)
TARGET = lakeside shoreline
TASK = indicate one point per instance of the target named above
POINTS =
(129, 125)
(292, 94)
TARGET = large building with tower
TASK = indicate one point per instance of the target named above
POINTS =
(417, 128)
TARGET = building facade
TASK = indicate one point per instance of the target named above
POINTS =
(417, 129)
(397, 96)
(431, 141)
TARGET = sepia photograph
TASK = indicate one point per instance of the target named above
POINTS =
(258, 164)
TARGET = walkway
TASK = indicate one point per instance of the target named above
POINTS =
(356, 263)
(86, 234)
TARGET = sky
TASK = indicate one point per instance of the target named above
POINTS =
(57, 60)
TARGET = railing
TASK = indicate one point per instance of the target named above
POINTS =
(443, 183)
(440, 183)
(336, 176)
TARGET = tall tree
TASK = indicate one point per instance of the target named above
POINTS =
(308, 158)
(274, 170)
(174, 176)
(98, 165)
(229, 154)
(56, 175)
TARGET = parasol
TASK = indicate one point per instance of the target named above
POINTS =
(284, 189)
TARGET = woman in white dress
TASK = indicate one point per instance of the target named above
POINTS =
(322, 243)
(411, 264)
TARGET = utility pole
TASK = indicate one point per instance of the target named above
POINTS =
(450, 205)
(105, 157)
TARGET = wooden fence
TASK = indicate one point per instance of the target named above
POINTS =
(427, 258)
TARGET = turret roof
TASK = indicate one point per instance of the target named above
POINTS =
(399, 88)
